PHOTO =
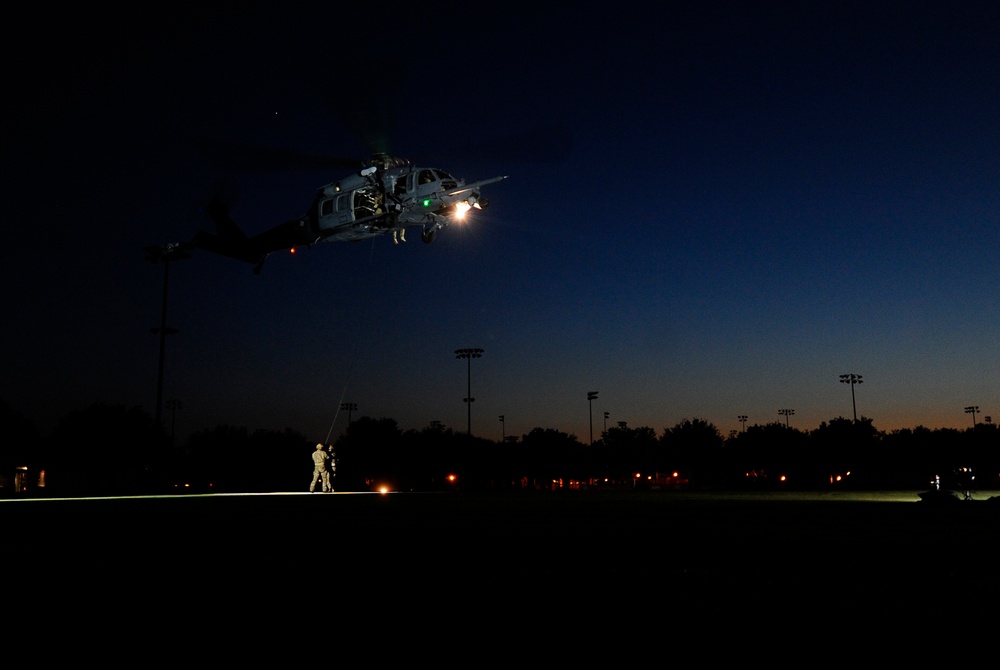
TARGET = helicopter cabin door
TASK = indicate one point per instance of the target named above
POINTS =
(367, 203)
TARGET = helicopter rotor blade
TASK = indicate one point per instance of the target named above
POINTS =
(369, 115)
(548, 143)
(245, 158)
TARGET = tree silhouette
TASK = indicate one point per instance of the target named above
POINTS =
(368, 454)
(106, 450)
(212, 458)
(113, 450)
(625, 451)
(845, 452)
(20, 447)
(550, 456)
(695, 448)
(769, 455)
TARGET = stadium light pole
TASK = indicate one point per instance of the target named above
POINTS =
(591, 397)
(743, 422)
(164, 254)
(503, 430)
(852, 380)
(173, 405)
(606, 415)
(972, 409)
(468, 355)
(786, 413)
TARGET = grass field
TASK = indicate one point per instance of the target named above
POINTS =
(566, 553)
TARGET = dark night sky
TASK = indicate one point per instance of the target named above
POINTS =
(759, 197)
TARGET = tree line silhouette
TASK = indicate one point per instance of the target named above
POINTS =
(117, 450)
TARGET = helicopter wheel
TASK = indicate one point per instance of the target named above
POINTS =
(428, 236)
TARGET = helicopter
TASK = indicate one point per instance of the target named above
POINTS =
(385, 197)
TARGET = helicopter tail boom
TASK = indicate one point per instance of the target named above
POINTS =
(229, 240)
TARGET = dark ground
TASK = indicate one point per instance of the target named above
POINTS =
(624, 562)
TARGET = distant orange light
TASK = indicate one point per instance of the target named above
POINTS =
(452, 478)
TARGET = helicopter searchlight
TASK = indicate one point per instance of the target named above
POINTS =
(461, 208)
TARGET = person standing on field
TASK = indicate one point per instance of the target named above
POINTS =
(331, 468)
(320, 472)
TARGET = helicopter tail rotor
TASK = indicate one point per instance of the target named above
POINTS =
(228, 238)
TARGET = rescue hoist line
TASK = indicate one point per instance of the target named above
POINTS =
(357, 343)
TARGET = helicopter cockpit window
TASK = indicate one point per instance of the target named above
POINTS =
(426, 177)
(447, 181)
(326, 207)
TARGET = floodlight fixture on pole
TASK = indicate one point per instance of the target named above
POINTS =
(743, 421)
(468, 355)
(591, 397)
(852, 380)
(503, 430)
(606, 415)
(786, 413)
(972, 409)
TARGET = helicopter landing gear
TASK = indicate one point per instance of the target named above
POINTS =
(428, 235)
